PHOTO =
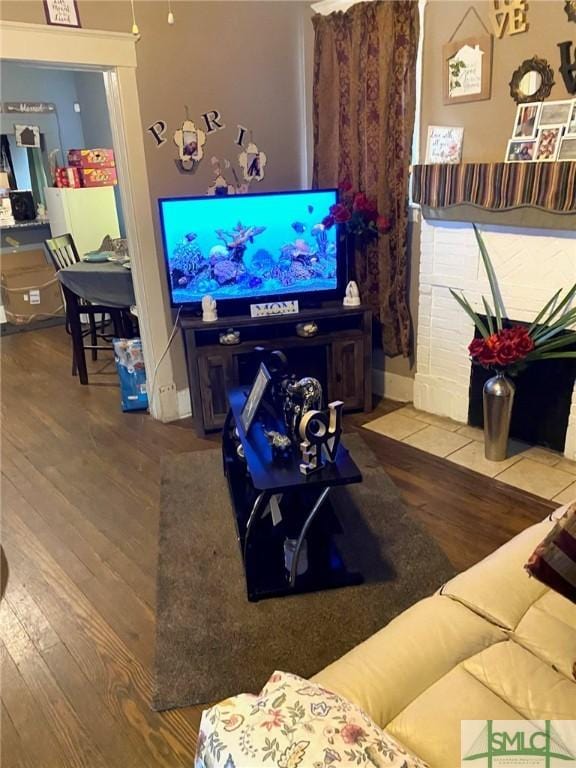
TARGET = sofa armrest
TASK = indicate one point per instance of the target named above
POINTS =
(389, 670)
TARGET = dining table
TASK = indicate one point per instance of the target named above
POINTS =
(108, 288)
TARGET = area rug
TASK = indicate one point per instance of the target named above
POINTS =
(211, 642)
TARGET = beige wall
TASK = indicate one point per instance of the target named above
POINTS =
(242, 58)
(487, 124)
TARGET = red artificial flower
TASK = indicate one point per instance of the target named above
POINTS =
(340, 213)
(345, 186)
(328, 221)
(523, 342)
(476, 347)
(384, 224)
(506, 354)
(359, 202)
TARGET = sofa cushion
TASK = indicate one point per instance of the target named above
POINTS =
(503, 682)
(393, 667)
(548, 630)
(294, 723)
(497, 587)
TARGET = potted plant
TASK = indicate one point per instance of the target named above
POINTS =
(506, 348)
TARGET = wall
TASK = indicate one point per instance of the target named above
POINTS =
(242, 58)
(488, 124)
(23, 83)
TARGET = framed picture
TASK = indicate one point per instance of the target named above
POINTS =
(567, 149)
(526, 121)
(62, 13)
(519, 151)
(467, 69)
(444, 144)
(571, 128)
(548, 143)
(250, 408)
(27, 135)
(554, 113)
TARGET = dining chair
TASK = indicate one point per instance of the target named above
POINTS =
(63, 253)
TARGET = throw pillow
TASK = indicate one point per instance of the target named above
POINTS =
(292, 723)
(553, 562)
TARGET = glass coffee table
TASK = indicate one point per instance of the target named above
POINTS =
(278, 509)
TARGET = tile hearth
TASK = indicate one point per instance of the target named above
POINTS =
(542, 472)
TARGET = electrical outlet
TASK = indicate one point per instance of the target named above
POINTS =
(166, 388)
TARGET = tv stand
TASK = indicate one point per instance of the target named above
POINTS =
(339, 355)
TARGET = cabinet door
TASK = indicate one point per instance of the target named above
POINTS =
(215, 378)
(347, 373)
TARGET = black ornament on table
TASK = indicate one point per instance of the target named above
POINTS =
(281, 445)
(299, 398)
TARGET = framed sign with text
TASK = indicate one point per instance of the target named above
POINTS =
(62, 13)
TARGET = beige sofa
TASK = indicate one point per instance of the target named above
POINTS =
(493, 644)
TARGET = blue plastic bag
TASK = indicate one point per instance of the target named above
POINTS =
(132, 374)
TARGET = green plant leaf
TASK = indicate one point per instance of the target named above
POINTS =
(543, 311)
(561, 325)
(476, 319)
(556, 355)
(557, 310)
(489, 314)
(499, 310)
(564, 341)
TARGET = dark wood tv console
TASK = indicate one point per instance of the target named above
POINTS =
(340, 356)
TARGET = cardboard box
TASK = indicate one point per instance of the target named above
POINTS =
(68, 177)
(91, 158)
(29, 287)
(98, 177)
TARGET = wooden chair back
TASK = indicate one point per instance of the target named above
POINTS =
(62, 251)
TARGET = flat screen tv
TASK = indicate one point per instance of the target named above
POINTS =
(251, 248)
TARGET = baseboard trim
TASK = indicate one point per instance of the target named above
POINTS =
(392, 385)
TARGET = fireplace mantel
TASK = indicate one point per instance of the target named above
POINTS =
(534, 195)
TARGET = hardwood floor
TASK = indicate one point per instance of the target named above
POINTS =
(80, 483)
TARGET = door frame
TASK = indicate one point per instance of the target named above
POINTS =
(114, 54)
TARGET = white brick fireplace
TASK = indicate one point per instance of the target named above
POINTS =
(531, 266)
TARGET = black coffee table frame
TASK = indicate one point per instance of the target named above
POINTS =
(255, 481)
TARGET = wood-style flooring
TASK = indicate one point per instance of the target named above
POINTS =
(80, 485)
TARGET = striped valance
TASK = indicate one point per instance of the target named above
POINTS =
(497, 186)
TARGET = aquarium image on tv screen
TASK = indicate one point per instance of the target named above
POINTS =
(247, 246)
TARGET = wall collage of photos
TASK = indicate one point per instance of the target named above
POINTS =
(543, 132)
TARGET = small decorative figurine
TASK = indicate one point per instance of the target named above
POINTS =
(209, 311)
(352, 297)
(281, 445)
(306, 330)
(229, 337)
(320, 430)
(299, 398)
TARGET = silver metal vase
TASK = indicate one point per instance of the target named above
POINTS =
(498, 397)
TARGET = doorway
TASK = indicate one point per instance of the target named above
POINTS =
(114, 54)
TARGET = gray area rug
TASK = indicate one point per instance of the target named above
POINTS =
(211, 642)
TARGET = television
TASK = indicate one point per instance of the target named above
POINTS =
(255, 248)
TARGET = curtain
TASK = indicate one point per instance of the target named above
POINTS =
(364, 103)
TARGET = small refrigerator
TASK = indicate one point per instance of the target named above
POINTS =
(87, 213)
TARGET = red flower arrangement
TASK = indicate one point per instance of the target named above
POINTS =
(357, 214)
(509, 347)
(502, 349)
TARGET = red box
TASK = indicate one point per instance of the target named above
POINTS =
(98, 177)
(91, 158)
(68, 177)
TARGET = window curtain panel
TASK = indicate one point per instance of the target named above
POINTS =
(364, 103)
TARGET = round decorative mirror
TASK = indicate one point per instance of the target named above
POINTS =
(532, 81)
